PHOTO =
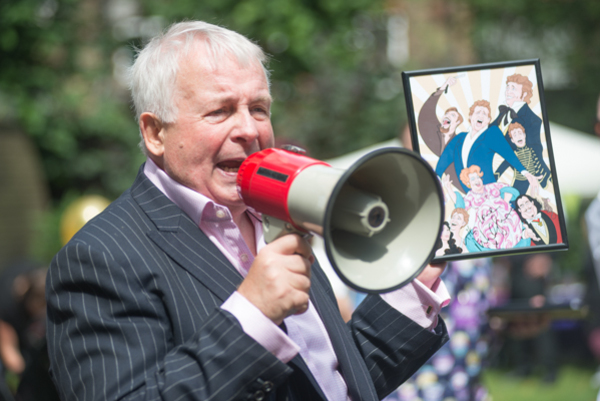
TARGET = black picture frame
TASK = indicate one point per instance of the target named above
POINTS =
(460, 123)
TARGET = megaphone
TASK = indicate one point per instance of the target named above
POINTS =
(379, 219)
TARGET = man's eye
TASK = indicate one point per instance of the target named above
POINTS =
(261, 110)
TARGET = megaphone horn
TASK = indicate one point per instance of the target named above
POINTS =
(379, 219)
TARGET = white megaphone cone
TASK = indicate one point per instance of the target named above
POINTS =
(379, 219)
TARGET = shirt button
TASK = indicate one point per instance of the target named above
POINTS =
(244, 257)
(220, 213)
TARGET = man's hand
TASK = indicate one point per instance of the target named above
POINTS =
(534, 182)
(528, 233)
(431, 273)
(279, 279)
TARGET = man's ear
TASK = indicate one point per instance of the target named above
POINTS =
(152, 130)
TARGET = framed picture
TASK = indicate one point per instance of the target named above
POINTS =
(485, 131)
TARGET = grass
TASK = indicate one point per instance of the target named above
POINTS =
(572, 384)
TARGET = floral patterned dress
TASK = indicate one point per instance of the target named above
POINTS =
(453, 373)
(496, 225)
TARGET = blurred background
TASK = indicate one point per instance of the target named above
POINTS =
(67, 130)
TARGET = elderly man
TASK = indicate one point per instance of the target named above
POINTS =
(171, 293)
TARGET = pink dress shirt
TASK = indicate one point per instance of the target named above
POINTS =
(306, 333)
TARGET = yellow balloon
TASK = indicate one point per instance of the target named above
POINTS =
(80, 212)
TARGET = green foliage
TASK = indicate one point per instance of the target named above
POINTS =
(56, 84)
(567, 29)
(56, 79)
(573, 384)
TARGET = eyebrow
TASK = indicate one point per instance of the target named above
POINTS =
(229, 99)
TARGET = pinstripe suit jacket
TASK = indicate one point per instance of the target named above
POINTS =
(133, 313)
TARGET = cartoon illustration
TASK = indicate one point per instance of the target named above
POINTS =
(528, 157)
(488, 123)
(519, 90)
(478, 147)
(542, 226)
(435, 133)
(447, 243)
(459, 218)
(493, 222)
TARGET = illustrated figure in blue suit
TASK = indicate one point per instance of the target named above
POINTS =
(171, 293)
(478, 147)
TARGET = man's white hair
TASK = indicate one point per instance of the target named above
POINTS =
(154, 72)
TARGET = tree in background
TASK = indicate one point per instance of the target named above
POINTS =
(335, 65)
(565, 35)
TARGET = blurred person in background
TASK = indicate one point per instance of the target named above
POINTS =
(454, 372)
(22, 330)
(592, 295)
(534, 341)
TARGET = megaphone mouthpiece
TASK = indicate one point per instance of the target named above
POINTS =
(360, 212)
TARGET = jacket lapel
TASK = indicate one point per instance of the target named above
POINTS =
(458, 163)
(181, 239)
(351, 364)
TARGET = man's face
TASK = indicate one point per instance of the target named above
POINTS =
(480, 118)
(457, 221)
(517, 136)
(449, 119)
(223, 117)
(514, 93)
(527, 208)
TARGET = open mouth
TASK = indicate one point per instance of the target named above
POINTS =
(230, 166)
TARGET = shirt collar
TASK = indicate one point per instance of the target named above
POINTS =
(537, 217)
(476, 134)
(194, 204)
(517, 106)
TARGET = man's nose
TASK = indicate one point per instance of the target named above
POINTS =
(246, 127)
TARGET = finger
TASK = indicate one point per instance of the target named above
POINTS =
(290, 244)
(301, 304)
(439, 265)
(299, 282)
(299, 265)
